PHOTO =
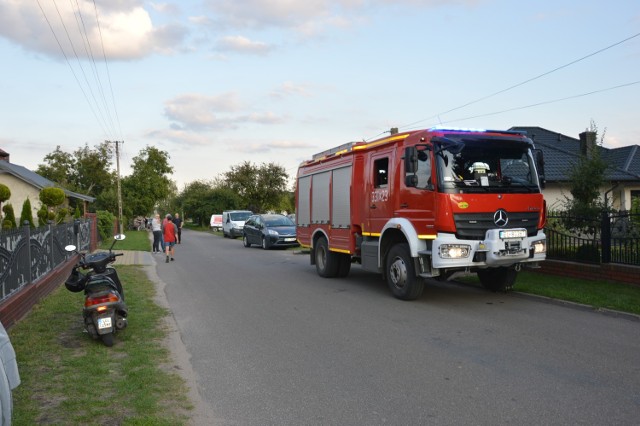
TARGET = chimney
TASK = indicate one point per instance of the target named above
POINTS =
(394, 131)
(4, 156)
(587, 143)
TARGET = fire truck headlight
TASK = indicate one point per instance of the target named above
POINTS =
(540, 246)
(454, 251)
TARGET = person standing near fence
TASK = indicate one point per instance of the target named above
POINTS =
(156, 228)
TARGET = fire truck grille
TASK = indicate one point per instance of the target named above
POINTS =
(473, 226)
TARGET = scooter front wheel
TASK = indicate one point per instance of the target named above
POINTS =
(107, 339)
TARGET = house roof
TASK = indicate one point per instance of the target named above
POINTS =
(562, 152)
(38, 181)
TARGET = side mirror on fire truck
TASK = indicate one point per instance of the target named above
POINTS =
(410, 159)
(539, 156)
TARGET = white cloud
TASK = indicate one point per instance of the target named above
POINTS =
(202, 113)
(262, 147)
(289, 88)
(179, 137)
(125, 28)
(240, 44)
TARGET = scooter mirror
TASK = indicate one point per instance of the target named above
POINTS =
(70, 248)
(119, 237)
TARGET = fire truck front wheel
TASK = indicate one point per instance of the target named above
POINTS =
(401, 275)
(327, 262)
(497, 279)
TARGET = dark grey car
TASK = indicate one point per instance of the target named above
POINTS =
(269, 230)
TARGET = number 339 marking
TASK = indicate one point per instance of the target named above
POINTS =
(379, 195)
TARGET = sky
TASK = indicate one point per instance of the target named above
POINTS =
(215, 83)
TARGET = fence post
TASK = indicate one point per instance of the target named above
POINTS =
(27, 235)
(605, 236)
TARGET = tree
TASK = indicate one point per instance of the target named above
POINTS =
(200, 199)
(26, 215)
(58, 167)
(259, 187)
(148, 184)
(586, 178)
(87, 171)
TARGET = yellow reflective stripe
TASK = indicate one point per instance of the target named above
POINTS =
(340, 251)
(383, 141)
(427, 237)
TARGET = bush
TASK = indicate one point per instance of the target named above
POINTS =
(106, 221)
(9, 217)
(26, 214)
(43, 216)
(5, 193)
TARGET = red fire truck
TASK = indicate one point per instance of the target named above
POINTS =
(425, 204)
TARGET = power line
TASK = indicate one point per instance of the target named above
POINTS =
(113, 98)
(524, 82)
(543, 103)
(79, 62)
(70, 67)
(107, 124)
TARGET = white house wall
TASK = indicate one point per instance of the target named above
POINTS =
(619, 198)
(20, 191)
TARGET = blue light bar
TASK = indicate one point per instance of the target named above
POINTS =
(456, 129)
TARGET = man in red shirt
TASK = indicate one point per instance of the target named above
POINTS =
(169, 234)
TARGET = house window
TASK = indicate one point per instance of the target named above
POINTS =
(381, 172)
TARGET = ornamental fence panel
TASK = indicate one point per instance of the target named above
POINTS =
(614, 237)
(27, 255)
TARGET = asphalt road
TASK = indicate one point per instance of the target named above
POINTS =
(272, 343)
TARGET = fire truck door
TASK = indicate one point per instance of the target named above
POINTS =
(379, 192)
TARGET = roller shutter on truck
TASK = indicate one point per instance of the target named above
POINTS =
(303, 214)
(320, 198)
(341, 200)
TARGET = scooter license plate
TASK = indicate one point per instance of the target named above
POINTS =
(104, 323)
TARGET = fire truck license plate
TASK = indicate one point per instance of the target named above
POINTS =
(104, 323)
(513, 233)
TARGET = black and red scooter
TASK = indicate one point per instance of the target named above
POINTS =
(105, 311)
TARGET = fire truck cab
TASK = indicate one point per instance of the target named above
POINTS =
(425, 204)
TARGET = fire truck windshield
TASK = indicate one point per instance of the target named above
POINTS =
(486, 165)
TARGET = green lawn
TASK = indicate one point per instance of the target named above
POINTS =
(69, 378)
(599, 294)
(136, 240)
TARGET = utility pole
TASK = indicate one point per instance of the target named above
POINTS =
(118, 180)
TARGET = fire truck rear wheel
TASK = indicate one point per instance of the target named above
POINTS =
(344, 265)
(327, 262)
(497, 279)
(401, 275)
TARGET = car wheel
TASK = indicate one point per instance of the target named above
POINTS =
(401, 276)
(245, 241)
(265, 244)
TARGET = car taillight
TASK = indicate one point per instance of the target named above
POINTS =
(97, 300)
